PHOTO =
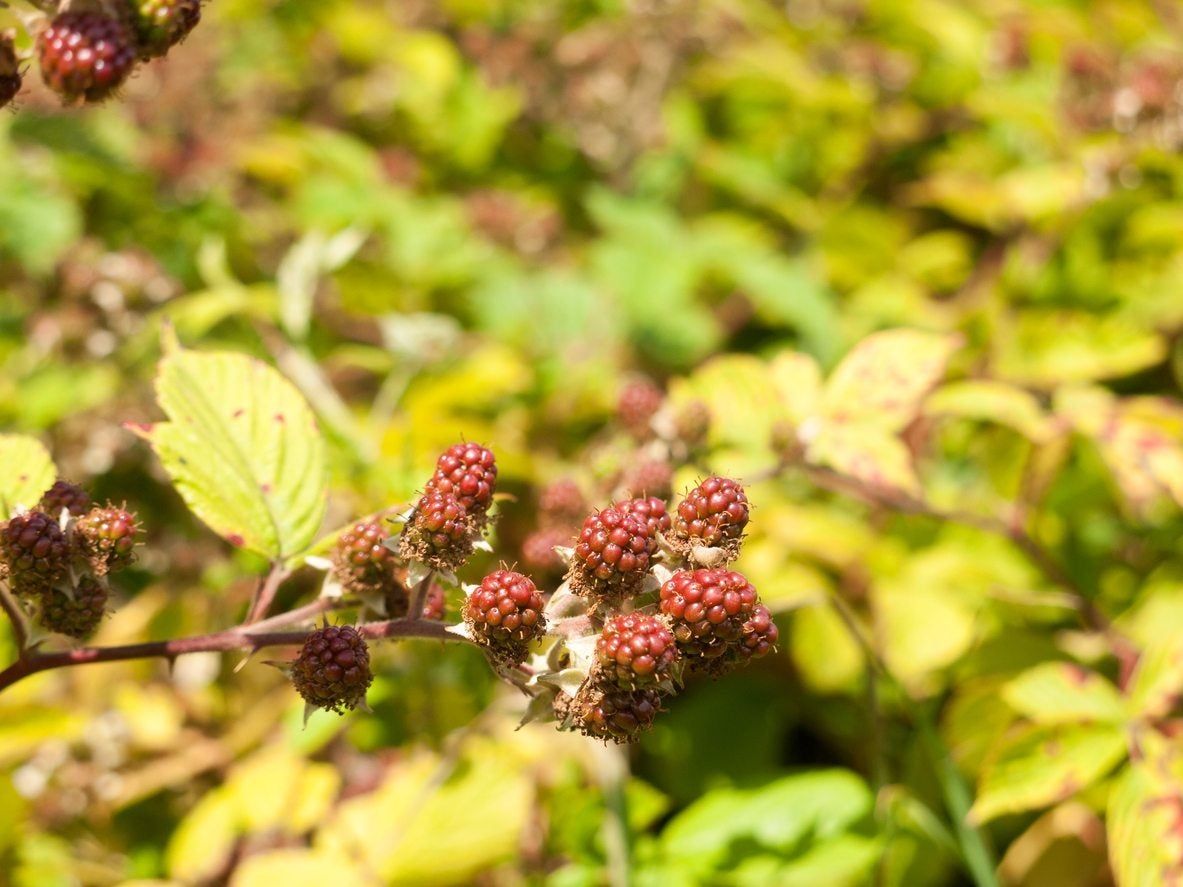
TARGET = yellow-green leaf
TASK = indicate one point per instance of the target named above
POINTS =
(1062, 692)
(990, 401)
(201, 843)
(1044, 764)
(865, 452)
(1158, 680)
(1145, 847)
(242, 448)
(26, 471)
(299, 868)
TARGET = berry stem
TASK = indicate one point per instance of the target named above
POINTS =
(240, 637)
(20, 631)
(419, 596)
(266, 591)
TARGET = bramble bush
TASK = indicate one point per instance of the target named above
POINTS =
(719, 443)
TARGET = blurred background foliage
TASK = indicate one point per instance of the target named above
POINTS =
(478, 218)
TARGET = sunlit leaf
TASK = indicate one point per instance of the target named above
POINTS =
(1062, 692)
(26, 471)
(1145, 845)
(990, 401)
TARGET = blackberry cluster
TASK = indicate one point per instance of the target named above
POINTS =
(650, 477)
(363, 564)
(504, 614)
(332, 670)
(708, 611)
(467, 473)
(612, 555)
(56, 558)
(561, 507)
(607, 713)
(652, 511)
(539, 554)
(639, 402)
(635, 650)
(710, 520)
(439, 533)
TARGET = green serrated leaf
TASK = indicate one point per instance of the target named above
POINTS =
(1062, 692)
(26, 471)
(242, 448)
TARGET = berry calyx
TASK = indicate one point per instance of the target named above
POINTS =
(638, 403)
(708, 611)
(85, 55)
(468, 473)
(107, 538)
(332, 670)
(652, 511)
(10, 71)
(439, 532)
(362, 563)
(160, 25)
(76, 616)
(34, 552)
(607, 713)
(635, 650)
(712, 516)
(561, 503)
(611, 555)
(504, 613)
(67, 496)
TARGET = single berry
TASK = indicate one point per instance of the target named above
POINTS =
(65, 495)
(107, 538)
(85, 55)
(608, 713)
(652, 477)
(438, 534)
(713, 515)
(561, 503)
(611, 555)
(467, 473)
(435, 606)
(759, 635)
(635, 650)
(160, 25)
(692, 424)
(10, 71)
(362, 563)
(34, 551)
(538, 550)
(78, 615)
(504, 613)
(707, 610)
(638, 403)
(652, 511)
(333, 668)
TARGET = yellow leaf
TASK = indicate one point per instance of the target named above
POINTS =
(299, 868)
(865, 452)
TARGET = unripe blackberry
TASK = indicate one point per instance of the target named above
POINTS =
(76, 616)
(608, 713)
(561, 503)
(759, 635)
(635, 650)
(34, 552)
(10, 70)
(160, 25)
(652, 511)
(692, 424)
(332, 670)
(439, 533)
(362, 563)
(712, 515)
(85, 55)
(652, 477)
(639, 401)
(611, 555)
(107, 538)
(468, 473)
(435, 606)
(707, 611)
(504, 613)
(538, 550)
(64, 495)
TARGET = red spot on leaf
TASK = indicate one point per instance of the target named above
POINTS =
(236, 540)
(238, 413)
(279, 417)
(266, 488)
(1076, 674)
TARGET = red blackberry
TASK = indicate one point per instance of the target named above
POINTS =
(653, 477)
(713, 515)
(538, 550)
(611, 555)
(332, 669)
(561, 503)
(607, 713)
(10, 70)
(708, 611)
(504, 613)
(361, 563)
(438, 534)
(77, 616)
(635, 650)
(468, 473)
(65, 495)
(692, 424)
(759, 635)
(160, 25)
(85, 55)
(107, 538)
(652, 511)
(638, 403)
(435, 607)
(34, 552)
